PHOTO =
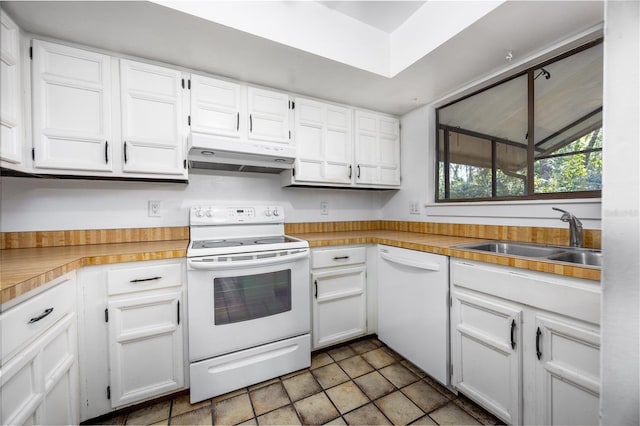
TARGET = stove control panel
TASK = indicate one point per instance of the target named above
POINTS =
(216, 215)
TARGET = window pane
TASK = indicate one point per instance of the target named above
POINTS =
(511, 173)
(568, 121)
(470, 181)
(575, 167)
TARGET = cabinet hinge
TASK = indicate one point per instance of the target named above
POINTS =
(184, 163)
(293, 105)
(183, 83)
(289, 134)
(108, 392)
(189, 120)
(33, 154)
(30, 52)
(293, 171)
(106, 315)
(189, 84)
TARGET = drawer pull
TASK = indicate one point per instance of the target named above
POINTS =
(42, 315)
(340, 257)
(140, 280)
(538, 334)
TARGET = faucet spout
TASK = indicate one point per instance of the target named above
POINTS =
(575, 227)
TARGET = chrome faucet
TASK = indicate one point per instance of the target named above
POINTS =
(575, 227)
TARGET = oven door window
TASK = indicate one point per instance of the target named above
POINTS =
(248, 297)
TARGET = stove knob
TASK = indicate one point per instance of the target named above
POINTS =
(198, 213)
(209, 213)
(276, 212)
(267, 212)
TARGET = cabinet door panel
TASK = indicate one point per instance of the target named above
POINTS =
(339, 305)
(567, 372)
(268, 115)
(152, 119)
(10, 117)
(21, 392)
(488, 330)
(215, 106)
(72, 108)
(377, 149)
(145, 347)
(323, 138)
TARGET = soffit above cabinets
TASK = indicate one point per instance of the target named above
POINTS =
(299, 46)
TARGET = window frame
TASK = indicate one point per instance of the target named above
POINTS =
(530, 182)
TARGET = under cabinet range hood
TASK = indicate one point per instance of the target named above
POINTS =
(210, 152)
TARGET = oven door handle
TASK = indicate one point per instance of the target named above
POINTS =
(208, 265)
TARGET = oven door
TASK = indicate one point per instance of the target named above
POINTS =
(244, 300)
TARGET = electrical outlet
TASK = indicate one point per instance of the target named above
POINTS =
(414, 207)
(324, 208)
(154, 208)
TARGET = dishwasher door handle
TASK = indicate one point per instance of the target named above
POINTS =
(409, 262)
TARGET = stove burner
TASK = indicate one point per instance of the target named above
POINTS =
(275, 240)
(216, 244)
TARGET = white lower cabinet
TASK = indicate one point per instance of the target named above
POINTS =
(526, 345)
(486, 352)
(39, 373)
(338, 280)
(567, 371)
(132, 334)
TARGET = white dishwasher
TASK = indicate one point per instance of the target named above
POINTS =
(413, 307)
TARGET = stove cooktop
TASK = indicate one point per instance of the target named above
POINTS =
(208, 244)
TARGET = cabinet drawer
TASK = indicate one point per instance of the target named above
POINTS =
(28, 320)
(144, 278)
(325, 258)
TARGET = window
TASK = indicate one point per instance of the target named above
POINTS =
(535, 135)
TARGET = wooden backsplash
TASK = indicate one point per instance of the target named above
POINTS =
(540, 235)
(552, 236)
(10, 240)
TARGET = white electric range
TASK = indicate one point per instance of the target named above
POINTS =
(248, 295)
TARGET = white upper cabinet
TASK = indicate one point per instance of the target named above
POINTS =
(324, 142)
(377, 149)
(215, 107)
(10, 108)
(268, 115)
(152, 119)
(71, 108)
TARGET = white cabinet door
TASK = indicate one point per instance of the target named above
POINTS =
(40, 386)
(215, 106)
(324, 142)
(145, 346)
(486, 353)
(339, 305)
(567, 385)
(11, 138)
(377, 149)
(152, 119)
(71, 108)
(268, 115)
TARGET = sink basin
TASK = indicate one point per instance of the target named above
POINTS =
(516, 249)
(590, 258)
(575, 255)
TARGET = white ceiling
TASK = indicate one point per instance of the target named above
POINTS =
(386, 16)
(155, 32)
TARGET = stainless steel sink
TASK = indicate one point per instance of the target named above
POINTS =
(582, 257)
(579, 256)
(516, 249)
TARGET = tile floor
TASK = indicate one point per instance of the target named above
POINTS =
(359, 383)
